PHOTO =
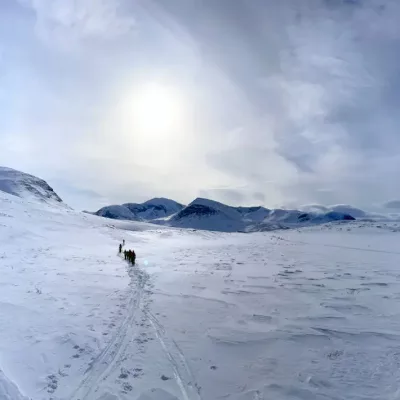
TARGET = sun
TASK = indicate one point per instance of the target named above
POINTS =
(156, 109)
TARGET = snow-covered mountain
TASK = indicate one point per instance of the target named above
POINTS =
(116, 212)
(149, 210)
(208, 215)
(212, 215)
(286, 219)
(254, 214)
(154, 208)
(340, 208)
(27, 187)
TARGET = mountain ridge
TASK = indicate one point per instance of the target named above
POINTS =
(27, 186)
(207, 214)
(149, 210)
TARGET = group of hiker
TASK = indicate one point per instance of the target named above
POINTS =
(129, 255)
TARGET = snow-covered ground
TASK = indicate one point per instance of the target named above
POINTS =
(298, 314)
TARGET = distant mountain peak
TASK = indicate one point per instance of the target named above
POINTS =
(150, 210)
(162, 200)
(207, 214)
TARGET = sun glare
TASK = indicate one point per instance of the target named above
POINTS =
(157, 109)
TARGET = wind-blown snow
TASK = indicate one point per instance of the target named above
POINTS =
(296, 314)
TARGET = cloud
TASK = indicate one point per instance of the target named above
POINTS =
(392, 204)
(285, 102)
(76, 197)
(259, 196)
(332, 109)
(235, 197)
(229, 196)
(70, 22)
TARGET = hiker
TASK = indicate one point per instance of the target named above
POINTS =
(129, 255)
(133, 256)
(125, 254)
(123, 242)
(120, 247)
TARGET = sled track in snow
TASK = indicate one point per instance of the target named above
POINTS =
(106, 362)
(183, 375)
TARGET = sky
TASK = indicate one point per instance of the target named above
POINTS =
(246, 102)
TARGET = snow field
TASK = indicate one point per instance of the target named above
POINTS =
(307, 314)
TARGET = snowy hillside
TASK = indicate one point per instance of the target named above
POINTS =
(147, 211)
(308, 314)
(27, 186)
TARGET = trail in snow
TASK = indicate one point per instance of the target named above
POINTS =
(183, 375)
(112, 355)
(114, 359)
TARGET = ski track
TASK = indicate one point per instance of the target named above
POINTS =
(110, 358)
(114, 353)
(183, 375)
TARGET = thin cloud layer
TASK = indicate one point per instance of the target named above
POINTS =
(59, 22)
(279, 102)
(392, 204)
